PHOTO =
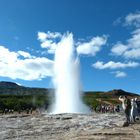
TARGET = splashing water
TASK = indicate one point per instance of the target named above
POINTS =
(66, 79)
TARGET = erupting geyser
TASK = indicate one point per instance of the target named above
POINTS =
(66, 79)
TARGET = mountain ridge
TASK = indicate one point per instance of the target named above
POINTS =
(14, 88)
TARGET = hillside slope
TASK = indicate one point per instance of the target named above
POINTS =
(16, 96)
(13, 88)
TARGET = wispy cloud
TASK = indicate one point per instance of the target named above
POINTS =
(114, 65)
(91, 47)
(133, 19)
(25, 54)
(42, 36)
(117, 21)
(119, 74)
(130, 49)
(51, 40)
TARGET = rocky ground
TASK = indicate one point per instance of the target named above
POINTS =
(67, 127)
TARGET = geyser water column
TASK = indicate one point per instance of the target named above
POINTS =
(66, 79)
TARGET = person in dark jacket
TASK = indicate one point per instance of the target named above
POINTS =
(127, 110)
(126, 105)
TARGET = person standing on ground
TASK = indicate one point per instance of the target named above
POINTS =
(126, 105)
(127, 111)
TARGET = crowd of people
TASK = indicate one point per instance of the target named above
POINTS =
(5, 111)
(107, 108)
(131, 109)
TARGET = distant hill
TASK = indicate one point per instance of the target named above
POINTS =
(4, 84)
(17, 97)
(12, 94)
(13, 88)
(121, 92)
(113, 93)
(110, 97)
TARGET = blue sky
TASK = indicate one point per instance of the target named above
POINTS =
(106, 35)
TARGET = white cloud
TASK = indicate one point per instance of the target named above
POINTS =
(51, 40)
(24, 54)
(119, 74)
(46, 44)
(42, 36)
(119, 48)
(131, 49)
(92, 47)
(133, 19)
(133, 53)
(6, 56)
(28, 68)
(134, 41)
(114, 65)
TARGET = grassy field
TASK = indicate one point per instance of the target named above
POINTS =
(13, 96)
(38, 100)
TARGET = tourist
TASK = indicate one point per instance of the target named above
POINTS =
(134, 110)
(126, 104)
